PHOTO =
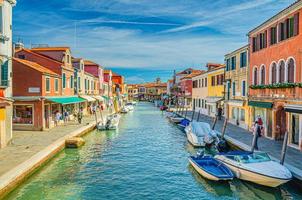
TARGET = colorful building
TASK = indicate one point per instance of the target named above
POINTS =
(200, 92)
(186, 85)
(275, 74)
(132, 92)
(236, 79)
(215, 78)
(97, 71)
(6, 7)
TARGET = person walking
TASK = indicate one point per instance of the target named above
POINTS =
(65, 116)
(80, 115)
(219, 113)
(57, 117)
(258, 130)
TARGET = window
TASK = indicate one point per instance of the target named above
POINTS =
(228, 89)
(228, 64)
(64, 80)
(67, 58)
(47, 84)
(274, 73)
(262, 75)
(281, 71)
(71, 81)
(233, 63)
(21, 56)
(242, 115)
(23, 114)
(202, 83)
(56, 85)
(243, 88)
(291, 71)
(255, 76)
(288, 28)
(199, 83)
(273, 35)
(1, 20)
(202, 103)
(4, 73)
(234, 113)
(206, 82)
(213, 80)
(199, 103)
(79, 83)
(263, 39)
(234, 89)
(243, 59)
(255, 47)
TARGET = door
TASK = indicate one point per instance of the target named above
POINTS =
(46, 115)
(295, 130)
(281, 122)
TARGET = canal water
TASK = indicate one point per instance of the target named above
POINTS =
(145, 159)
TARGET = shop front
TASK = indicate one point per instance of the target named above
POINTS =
(213, 103)
(87, 105)
(263, 110)
(295, 125)
(237, 112)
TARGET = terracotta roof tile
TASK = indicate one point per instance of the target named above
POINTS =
(50, 49)
(35, 66)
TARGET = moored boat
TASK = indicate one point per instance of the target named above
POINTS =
(256, 167)
(112, 123)
(200, 134)
(211, 168)
(183, 124)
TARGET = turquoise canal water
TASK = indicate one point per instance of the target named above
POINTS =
(145, 159)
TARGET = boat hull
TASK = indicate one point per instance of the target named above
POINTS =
(192, 140)
(254, 177)
(202, 172)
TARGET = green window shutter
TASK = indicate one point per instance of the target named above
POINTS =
(64, 80)
(4, 74)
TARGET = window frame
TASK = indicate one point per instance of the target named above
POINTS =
(56, 85)
(49, 86)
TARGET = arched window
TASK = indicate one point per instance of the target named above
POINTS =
(255, 76)
(274, 73)
(281, 72)
(262, 75)
(291, 71)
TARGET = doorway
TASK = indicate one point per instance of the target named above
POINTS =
(46, 115)
(280, 123)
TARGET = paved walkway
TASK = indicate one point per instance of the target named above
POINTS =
(293, 156)
(27, 143)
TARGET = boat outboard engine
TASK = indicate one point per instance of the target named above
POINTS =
(223, 146)
(108, 123)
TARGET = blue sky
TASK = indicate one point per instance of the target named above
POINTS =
(143, 39)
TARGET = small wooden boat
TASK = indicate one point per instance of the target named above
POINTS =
(256, 167)
(211, 168)
(183, 124)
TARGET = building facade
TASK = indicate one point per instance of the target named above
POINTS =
(200, 92)
(275, 74)
(215, 78)
(236, 87)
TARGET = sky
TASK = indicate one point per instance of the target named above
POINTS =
(143, 39)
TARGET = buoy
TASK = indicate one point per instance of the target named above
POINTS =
(74, 142)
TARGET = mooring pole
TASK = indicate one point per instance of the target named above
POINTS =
(186, 113)
(214, 123)
(198, 116)
(254, 138)
(284, 148)
(224, 127)
(193, 115)
(183, 110)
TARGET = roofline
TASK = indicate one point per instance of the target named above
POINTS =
(237, 50)
(39, 55)
(291, 8)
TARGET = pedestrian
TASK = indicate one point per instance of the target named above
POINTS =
(80, 115)
(219, 113)
(258, 130)
(65, 116)
(57, 117)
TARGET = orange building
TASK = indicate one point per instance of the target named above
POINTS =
(275, 74)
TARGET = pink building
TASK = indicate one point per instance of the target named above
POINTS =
(97, 71)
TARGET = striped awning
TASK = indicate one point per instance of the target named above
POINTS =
(293, 108)
(88, 98)
(65, 100)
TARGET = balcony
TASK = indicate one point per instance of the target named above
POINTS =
(276, 93)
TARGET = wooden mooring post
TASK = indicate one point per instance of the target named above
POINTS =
(284, 148)
(193, 115)
(254, 138)
(186, 113)
(198, 116)
(224, 127)
(214, 123)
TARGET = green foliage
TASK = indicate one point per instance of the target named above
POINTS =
(276, 86)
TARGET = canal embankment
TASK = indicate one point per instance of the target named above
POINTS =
(29, 150)
(242, 139)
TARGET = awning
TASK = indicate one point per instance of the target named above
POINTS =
(99, 98)
(88, 98)
(234, 102)
(105, 97)
(66, 100)
(213, 99)
(260, 104)
(293, 108)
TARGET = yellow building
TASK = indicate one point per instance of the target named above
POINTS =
(215, 78)
(236, 77)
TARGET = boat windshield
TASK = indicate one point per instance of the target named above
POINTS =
(253, 158)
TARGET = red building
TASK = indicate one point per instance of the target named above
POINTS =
(275, 74)
(97, 71)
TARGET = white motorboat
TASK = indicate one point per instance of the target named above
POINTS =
(256, 167)
(124, 110)
(200, 133)
(112, 123)
(130, 107)
(176, 119)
